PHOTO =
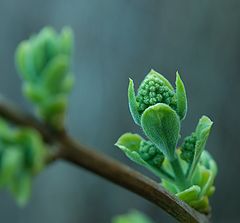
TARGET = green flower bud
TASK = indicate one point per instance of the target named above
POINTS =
(188, 147)
(152, 91)
(44, 64)
(156, 89)
(151, 154)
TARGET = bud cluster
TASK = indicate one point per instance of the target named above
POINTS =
(188, 147)
(152, 91)
(151, 154)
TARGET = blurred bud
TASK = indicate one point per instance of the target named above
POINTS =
(44, 63)
(22, 155)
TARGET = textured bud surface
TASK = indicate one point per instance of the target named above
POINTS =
(151, 154)
(188, 147)
(152, 91)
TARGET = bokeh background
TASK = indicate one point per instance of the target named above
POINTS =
(114, 40)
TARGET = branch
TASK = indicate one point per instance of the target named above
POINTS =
(106, 167)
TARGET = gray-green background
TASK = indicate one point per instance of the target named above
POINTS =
(114, 40)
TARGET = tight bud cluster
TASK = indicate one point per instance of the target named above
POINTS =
(152, 91)
(188, 147)
(151, 154)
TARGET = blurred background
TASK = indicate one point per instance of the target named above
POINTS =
(115, 40)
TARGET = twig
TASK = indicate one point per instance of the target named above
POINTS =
(106, 167)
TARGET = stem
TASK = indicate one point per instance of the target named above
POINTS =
(162, 174)
(189, 171)
(180, 177)
(106, 167)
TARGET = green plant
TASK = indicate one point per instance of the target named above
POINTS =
(187, 171)
(28, 144)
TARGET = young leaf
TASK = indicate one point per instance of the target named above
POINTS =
(202, 133)
(181, 97)
(171, 187)
(66, 40)
(130, 143)
(161, 125)
(133, 103)
(143, 153)
(202, 205)
(189, 194)
(24, 61)
(55, 72)
(12, 161)
(35, 93)
(21, 188)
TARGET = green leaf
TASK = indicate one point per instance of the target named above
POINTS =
(66, 40)
(130, 143)
(24, 61)
(39, 53)
(202, 205)
(12, 162)
(49, 36)
(181, 97)
(171, 187)
(35, 93)
(55, 106)
(207, 161)
(33, 149)
(67, 84)
(132, 217)
(55, 72)
(202, 132)
(133, 103)
(190, 194)
(207, 180)
(21, 188)
(6, 135)
(161, 125)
